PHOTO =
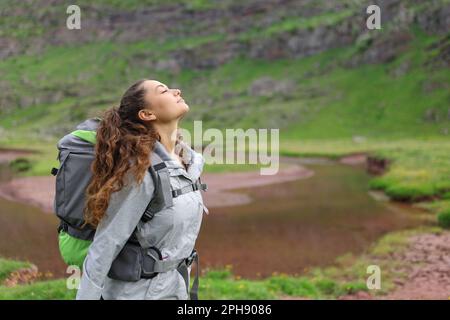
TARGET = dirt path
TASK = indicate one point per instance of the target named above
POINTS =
(7, 155)
(426, 263)
(37, 191)
(428, 268)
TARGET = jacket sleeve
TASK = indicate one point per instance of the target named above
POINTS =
(122, 216)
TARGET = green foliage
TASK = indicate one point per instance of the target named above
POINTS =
(44, 290)
(20, 164)
(444, 219)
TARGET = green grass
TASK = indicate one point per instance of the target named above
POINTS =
(43, 158)
(44, 290)
(291, 24)
(444, 219)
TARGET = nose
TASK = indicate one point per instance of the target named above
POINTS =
(178, 92)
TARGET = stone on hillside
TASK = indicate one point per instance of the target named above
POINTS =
(432, 115)
(359, 139)
(402, 69)
(268, 87)
(170, 65)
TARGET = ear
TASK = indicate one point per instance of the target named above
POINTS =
(146, 115)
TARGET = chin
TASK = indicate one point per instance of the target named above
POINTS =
(185, 106)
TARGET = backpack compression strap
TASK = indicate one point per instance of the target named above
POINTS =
(197, 185)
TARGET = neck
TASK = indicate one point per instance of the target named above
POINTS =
(168, 134)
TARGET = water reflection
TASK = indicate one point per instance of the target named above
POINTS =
(295, 225)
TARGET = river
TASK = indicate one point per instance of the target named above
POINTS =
(288, 228)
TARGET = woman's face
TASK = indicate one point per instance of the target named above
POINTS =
(163, 104)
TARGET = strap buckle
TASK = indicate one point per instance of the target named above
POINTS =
(63, 226)
(176, 192)
(191, 258)
(54, 171)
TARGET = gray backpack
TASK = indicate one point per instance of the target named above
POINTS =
(75, 155)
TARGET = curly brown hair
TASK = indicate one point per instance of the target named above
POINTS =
(124, 142)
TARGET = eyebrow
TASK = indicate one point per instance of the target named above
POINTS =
(159, 85)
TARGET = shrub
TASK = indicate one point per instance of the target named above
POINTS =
(20, 165)
(444, 219)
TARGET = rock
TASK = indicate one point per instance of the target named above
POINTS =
(384, 48)
(268, 87)
(435, 20)
(170, 66)
(432, 115)
(402, 69)
(22, 276)
(359, 139)
(442, 58)
(377, 166)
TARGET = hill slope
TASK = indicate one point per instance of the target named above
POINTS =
(310, 68)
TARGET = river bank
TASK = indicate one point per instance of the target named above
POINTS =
(40, 191)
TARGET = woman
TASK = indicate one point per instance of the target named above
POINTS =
(121, 187)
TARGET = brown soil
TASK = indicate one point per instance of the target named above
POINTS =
(7, 155)
(426, 262)
(428, 268)
(37, 191)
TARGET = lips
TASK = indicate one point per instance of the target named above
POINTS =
(180, 100)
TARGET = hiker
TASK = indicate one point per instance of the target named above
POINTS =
(131, 257)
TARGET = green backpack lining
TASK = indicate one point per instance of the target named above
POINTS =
(73, 250)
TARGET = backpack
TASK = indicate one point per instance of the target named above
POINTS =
(76, 154)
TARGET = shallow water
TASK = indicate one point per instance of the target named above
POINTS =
(300, 224)
(288, 227)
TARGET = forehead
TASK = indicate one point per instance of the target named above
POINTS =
(151, 85)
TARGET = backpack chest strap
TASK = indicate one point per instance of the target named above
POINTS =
(197, 185)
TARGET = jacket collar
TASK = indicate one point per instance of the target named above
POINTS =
(194, 168)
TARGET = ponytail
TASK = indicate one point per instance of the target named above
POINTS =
(117, 150)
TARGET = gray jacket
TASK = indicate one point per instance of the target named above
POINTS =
(173, 230)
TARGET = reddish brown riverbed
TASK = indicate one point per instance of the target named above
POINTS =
(307, 220)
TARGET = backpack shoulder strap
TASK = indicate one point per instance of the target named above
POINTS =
(162, 197)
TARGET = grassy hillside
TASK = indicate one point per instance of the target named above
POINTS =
(325, 95)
